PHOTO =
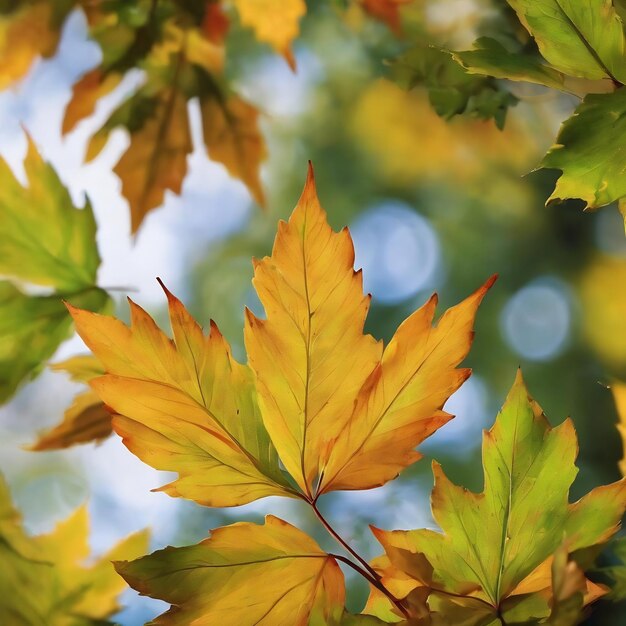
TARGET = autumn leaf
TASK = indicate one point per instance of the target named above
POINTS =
(180, 62)
(87, 419)
(232, 137)
(66, 260)
(243, 574)
(331, 431)
(85, 96)
(156, 160)
(529, 468)
(276, 22)
(44, 580)
(185, 406)
(339, 431)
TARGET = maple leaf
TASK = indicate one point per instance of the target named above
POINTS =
(490, 58)
(332, 425)
(156, 159)
(591, 162)
(243, 574)
(493, 558)
(318, 379)
(184, 405)
(44, 580)
(276, 22)
(66, 260)
(87, 419)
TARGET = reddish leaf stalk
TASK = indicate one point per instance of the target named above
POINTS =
(365, 569)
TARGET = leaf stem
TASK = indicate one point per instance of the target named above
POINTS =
(365, 569)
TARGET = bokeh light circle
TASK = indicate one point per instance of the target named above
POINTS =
(536, 321)
(398, 250)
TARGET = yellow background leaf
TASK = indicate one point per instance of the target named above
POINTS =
(275, 22)
(232, 138)
(156, 159)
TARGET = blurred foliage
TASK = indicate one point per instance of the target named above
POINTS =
(44, 579)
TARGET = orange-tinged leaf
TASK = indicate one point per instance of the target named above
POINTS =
(619, 394)
(156, 160)
(184, 405)
(401, 403)
(87, 419)
(276, 22)
(232, 137)
(340, 412)
(215, 23)
(310, 355)
(387, 11)
(244, 574)
(85, 95)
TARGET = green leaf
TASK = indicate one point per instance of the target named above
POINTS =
(44, 238)
(46, 241)
(31, 329)
(490, 58)
(452, 90)
(496, 547)
(584, 39)
(589, 150)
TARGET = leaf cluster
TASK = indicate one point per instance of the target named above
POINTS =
(578, 48)
(319, 407)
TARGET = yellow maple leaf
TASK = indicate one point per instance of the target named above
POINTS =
(185, 406)
(343, 414)
(275, 22)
